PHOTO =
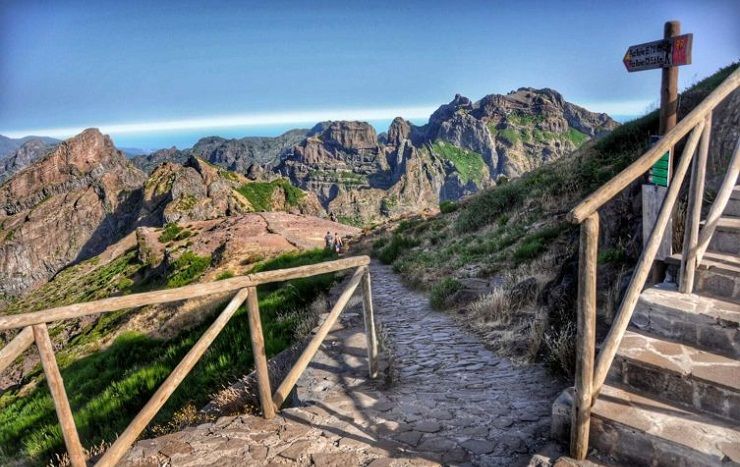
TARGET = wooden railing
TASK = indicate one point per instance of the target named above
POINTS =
(697, 125)
(34, 330)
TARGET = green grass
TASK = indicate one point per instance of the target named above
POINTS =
(106, 389)
(173, 232)
(469, 164)
(259, 194)
(447, 207)
(224, 275)
(443, 291)
(395, 247)
(535, 243)
(576, 137)
(187, 268)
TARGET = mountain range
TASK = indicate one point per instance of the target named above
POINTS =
(64, 202)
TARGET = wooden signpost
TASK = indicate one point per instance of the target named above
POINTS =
(668, 54)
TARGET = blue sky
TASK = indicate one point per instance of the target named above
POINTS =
(160, 73)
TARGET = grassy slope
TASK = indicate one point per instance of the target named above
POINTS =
(106, 388)
(260, 194)
(517, 233)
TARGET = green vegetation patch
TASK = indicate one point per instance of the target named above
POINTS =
(469, 164)
(442, 292)
(173, 232)
(395, 247)
(259, 194)
(535, 243)
(447, 207)
(106, 389)
(187, 268)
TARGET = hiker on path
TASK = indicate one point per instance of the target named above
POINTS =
(338, 243)
(329, 241)
(333, 216)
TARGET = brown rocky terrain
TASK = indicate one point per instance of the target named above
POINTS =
(20, 158)
(197, 190)
(363, 177)
(68, 206)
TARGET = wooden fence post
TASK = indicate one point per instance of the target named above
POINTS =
(372, 338)
(258, 350)
(59, 395)
(586, 337)
(693, 214)
(165, 390)
(313, 345)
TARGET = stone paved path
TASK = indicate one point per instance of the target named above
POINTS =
(450, 401)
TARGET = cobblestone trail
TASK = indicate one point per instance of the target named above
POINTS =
(451, 401)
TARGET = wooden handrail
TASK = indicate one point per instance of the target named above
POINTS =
(15, 347)
(719, 205)
(693, 213)
(623, 316)
(181, 293)
(598, 198)
(35, 330)
(313, 346)
(165, 390)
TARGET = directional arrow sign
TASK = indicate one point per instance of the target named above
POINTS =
(664, 53)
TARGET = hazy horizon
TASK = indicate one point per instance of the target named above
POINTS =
(158, 74)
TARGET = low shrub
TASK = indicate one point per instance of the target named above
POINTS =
(447, 207)
(397, 246)
(443, 291)
(187, 268)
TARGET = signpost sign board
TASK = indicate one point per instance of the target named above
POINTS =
(664, 53)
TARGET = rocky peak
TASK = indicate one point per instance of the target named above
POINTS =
(67, 206)
(399, 131)
(346, 135)
(446, 111)
(30, 151)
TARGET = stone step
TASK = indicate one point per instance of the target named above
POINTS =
(726, 238)
(680, 373)
(733, 206)
(700, 321)
(633, 429)
(718, 274)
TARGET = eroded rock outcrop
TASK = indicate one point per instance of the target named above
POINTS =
(68, 206)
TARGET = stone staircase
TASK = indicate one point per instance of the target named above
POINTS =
(673, 393)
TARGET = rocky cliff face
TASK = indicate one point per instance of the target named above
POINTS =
(20, 158)
(238, 155)
(68, 206)
(9, 145)
(197, 190)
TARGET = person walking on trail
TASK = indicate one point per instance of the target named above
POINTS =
(338, 243)
(329, 241)
(333, 216)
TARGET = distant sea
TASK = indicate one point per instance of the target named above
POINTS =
(187, 138)
(182, 139)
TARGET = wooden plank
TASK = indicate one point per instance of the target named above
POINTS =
(155, 403)
(644, 265)
(719, 205)
(181, 293)
(370, 333)
(258, 350)
(313, 346)
(15, 347)
(59, 395)
(586, 337)
(693, 213)
(597, 199)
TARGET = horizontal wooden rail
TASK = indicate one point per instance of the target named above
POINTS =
(313, 346)
(157, 401)
(598, 198)
(35, 330)
(182, 293)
